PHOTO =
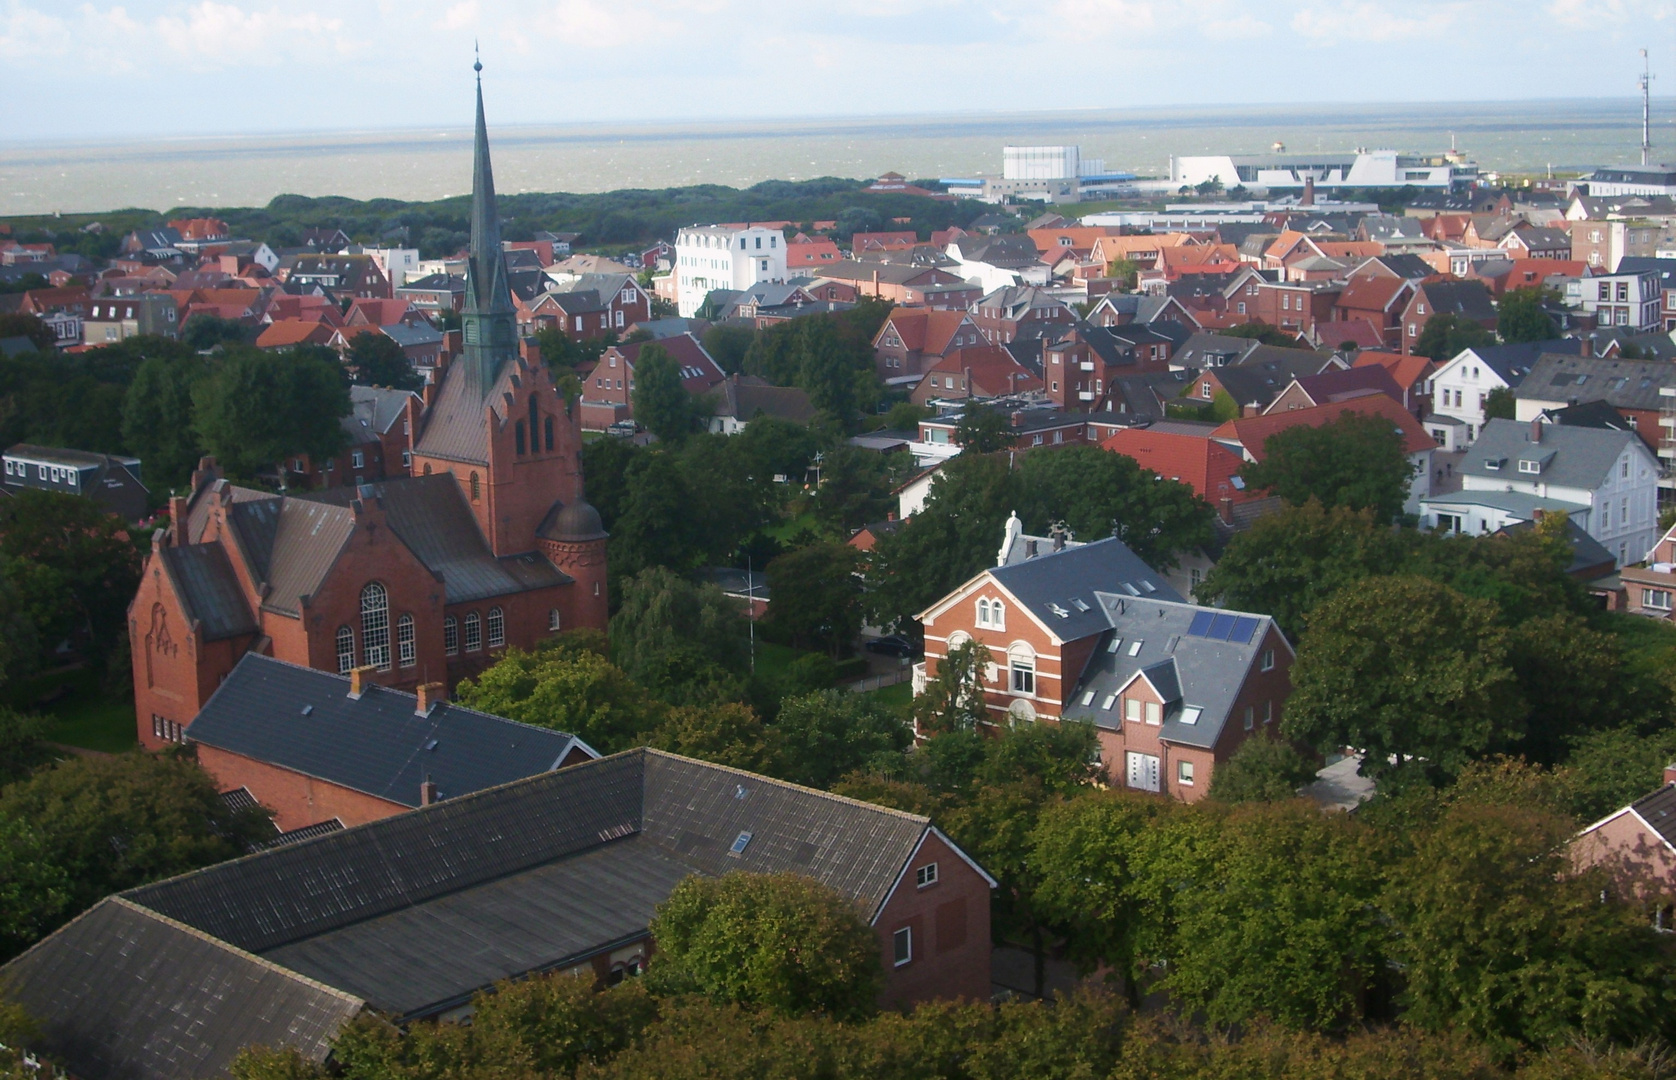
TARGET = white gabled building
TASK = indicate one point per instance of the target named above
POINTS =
(1606, 480)
(711, 257)
(1462, 386)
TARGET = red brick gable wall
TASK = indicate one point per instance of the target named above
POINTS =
(949, 924)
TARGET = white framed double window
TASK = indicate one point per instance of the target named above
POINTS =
(1021, 663)
(992, 614)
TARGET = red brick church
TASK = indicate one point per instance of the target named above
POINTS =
(424, 578)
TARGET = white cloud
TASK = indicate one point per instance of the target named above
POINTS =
(461, 16)
(609, 24)
(220, 34)
(26, 32)
(1357, 25)
(1241, 27)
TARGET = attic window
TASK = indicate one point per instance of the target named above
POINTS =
(1526, 465)
(308, 709)
(1059, 611)
(1111, 699)
(739, 844)
(1117, 643)
(1088, 698)
(1129, 587)
(1078, 603)
(431, 745)
(1135, 647)
(1190, 715)
(1494, 463)
(1149, 586)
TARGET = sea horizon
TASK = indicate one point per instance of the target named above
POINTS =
(424, 162)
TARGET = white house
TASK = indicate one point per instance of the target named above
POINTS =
(1461, 388)
(1632, 300)
(710, 257)
(1606, 480)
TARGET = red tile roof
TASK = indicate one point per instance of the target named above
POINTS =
(1252, 432)
(1405, 370)
(994, 371)
(1207, 466)
(288, 332)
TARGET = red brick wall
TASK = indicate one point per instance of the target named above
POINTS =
(1639, 861)
(950, 924)
(295, 799)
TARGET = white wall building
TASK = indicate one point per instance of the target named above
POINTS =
(1461, 387)
(710, 257)
(1632, 180)
(1632, 300)
(399, 264)
(1606, 480)
(1355, 169)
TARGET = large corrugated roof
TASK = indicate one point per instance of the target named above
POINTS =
(123, 992)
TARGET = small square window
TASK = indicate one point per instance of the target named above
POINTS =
(1268, 659)
(902, 945)
(1184, 773)
(926, 875)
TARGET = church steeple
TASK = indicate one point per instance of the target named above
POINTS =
(488, 322)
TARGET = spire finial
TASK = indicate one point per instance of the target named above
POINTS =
(477, 65)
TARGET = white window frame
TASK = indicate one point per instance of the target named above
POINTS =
(902, 946)
(925, 876)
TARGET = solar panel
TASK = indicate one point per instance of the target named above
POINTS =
(1220, 627)
(1201, 624)
(1244, 627)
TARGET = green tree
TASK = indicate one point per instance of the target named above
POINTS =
(817, 600)
(1446, 336)
(1410, 672)
(983, 429)
(661, 403)
(727, 345)
(1500, 404)
(954, 536)
(1099, 494)
(953, 700)
(204, 332)
(21, 745)
(770, 447)
(259, 408)
(579, 692)
(1612, 767)
(70, 566)
(778, 941)
(1261, 770)
(113, 823)
(23, 325)
(1264, 333)
(663, 614)
(830, 733)
(1277, 915)
(657, 523)
(34, 889)
(376, 360)
(728, 734)
(856, 487)
(1357, 461)
(1519, 317)
(1501, 938)
(1289, 562)
(157, 417)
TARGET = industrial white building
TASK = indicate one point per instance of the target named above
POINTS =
(710, 257)
(1632, 180)
(1352, 169)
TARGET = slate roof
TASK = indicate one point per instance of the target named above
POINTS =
(1574, 457)
(290, 544)
(1055, 582)
(414, 913)
(1587, 553)
(429, 514)
(209, 590)
(744, 396)
(1258, 379)
(1658, 810)
(1624, 384)
(409, 334)
(1467, 299)
(377, 743)
(453, 428)
(1195, 657)
(372, 409)
(1511, 363)
(124, 992)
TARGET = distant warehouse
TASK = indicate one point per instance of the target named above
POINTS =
(1351, 169)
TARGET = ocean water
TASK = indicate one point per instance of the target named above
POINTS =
(160, 173)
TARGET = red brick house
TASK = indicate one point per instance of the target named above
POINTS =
(1295, 306)
(489, 542)
(1091, 633)
(913, 340)
(1002, 314)
(1376, 299)
(1636, 846)
(976, 371)
(340, 275)
(379, 434)
(1338, 385)
(608, 383)
(316, 748)
(1469, 300)
(1207, 466)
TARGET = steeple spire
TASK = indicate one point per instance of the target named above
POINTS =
(488, 321)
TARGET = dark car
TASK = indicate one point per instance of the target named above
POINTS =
(894, 645)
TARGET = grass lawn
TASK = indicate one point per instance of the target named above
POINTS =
(785, 529)
(895, 698)
(83, 716)
(774, 661)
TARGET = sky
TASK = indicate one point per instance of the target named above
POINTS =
(95, 70)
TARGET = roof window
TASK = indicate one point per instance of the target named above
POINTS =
(1190, 714)
(740, 843)
(1135, 647)
(1117, 643)
(1079, 603)
(1111, 699)
(1088, 698)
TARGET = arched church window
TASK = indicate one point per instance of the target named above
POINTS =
(346, 649)
(476, 488)
(375, 627)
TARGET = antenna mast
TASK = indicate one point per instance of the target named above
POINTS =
(1646, 110)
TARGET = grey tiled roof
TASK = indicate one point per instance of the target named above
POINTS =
(1659, 811)
(372, 409)
(1573, 457)
(1623, 384)
(290, 544)
(1511, 363)
(377, 743)
(1189, 669)
(123, 992)
(1068, 581)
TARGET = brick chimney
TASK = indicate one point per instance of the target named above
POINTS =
(1536, 429)
(427, 792)
(431, 695)
(1309, 192)
(1670, 773)
(177, 520)
(359, 680)
(1226, 509)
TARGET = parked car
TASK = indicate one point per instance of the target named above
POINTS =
(623, 429)
(893, 645)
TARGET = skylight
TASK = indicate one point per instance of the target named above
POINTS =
(1111, 699)
(1190, 714)
(739, 844)
(1135, 647)
(1078, 603)
(1088, 698)
(1117, 643)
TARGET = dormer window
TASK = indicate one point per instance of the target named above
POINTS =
(1528, 466)
(1494, 464)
